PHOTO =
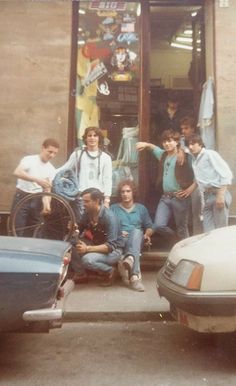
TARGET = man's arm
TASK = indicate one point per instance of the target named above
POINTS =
(83, 248)
(144, 145)
(19, 172)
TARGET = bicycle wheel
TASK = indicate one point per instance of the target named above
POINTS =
(45, 215)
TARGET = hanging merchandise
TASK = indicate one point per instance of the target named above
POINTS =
(206, 116)
(127, 158)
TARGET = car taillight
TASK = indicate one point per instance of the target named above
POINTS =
(67, 258)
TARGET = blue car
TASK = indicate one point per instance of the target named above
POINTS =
(32, 272)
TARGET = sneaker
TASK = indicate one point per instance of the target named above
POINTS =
(124, 274)
(128, 263)
(136, 283)
(80, 278)
(109, 278)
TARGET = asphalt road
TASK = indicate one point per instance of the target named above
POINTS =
(118, 354)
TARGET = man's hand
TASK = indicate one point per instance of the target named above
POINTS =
(81, 247)
(220, 201)
(46, 184)
(147, 240)
(107, 202)
(187, 192)
(220, 197)
(180, 157)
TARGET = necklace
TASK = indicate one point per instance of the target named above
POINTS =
(93, 156)
(169, 160)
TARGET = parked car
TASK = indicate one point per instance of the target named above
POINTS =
(31, 275)
(199, 281)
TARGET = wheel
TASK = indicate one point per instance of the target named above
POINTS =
(42, 215)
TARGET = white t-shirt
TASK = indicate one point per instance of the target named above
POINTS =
(33, 165)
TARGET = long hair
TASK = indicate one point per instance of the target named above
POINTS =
(97, 131)
(129, 183)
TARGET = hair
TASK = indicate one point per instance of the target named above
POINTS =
(173, 97)
(95, 194)
(98, 133)
(196, 139)
(170, 134)
(50, 142)
(187, 120)
(132, 186)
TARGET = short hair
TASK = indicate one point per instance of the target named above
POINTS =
(170, 134)
(173, 96)
(98, 132)
(95, 194)
(187, 120)
(50, 142)
(196, 138)
(129, 183)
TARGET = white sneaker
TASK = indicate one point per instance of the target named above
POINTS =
(128, 263)
(124, 274)
(136, 283)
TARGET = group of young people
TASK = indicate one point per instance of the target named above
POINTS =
(112, 236)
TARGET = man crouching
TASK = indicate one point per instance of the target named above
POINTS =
(100, 242)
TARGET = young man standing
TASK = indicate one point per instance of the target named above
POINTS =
(93, 167)
(137, 228)
(212, 175)
(188, 129)
(177, 183)
(34, 174)
(100, 245)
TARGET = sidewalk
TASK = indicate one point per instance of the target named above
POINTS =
(90, 302)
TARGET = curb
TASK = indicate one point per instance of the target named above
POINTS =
(145, 316)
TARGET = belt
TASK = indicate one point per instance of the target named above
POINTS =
(212, 190)
(169, 194)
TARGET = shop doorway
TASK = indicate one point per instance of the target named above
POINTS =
(177, 72)
(127, 57)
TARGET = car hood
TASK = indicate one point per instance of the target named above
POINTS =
(216, 251)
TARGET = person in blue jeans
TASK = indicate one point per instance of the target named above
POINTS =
(100, 242)
(137, 229)
(213, 175)
(177, 183)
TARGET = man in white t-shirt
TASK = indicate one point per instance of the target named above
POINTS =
(34, 174)
(93, 167)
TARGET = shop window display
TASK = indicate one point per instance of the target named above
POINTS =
(108, 75)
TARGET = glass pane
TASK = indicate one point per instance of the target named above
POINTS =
(108, 75)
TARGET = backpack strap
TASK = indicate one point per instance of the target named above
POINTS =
(78, 160)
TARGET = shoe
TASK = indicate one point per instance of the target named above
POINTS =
(109, 278)
(80, 278)
(124, 274)
(136, 283)
(128, 263)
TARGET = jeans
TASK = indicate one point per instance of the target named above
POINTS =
(95, 261)
(213, 217)
(133, 246)
(28, 215)
(179, 209)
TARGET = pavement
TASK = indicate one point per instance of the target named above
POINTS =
(91, 302)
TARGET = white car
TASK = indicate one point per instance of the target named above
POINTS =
(199, 281)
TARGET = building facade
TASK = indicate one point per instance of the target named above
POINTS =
(71, 64)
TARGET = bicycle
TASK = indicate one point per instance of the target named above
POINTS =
(50, 217)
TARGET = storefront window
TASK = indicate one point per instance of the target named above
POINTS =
(107, 81)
